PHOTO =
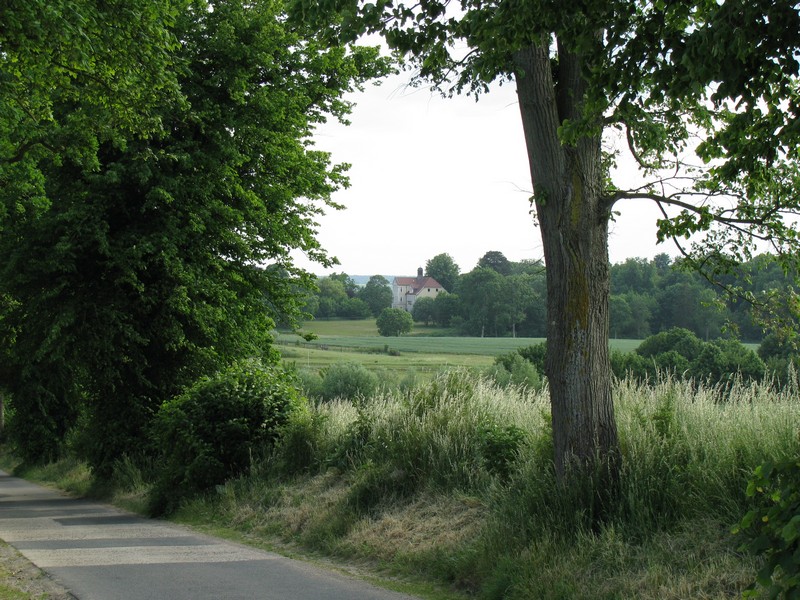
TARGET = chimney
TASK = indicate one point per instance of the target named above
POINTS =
(419, 273)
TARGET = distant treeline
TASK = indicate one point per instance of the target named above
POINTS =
(503, 298)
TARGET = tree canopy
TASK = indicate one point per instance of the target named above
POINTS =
(443, 269)
(656, 75)
(394, 322)
(168, 256)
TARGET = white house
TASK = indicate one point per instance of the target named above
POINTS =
(406, 290)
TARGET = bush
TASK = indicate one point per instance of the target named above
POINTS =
(310, 383)
(500, 447)
(772, 529)
(348, 380)
(394, 322)
(682, 341)
(721, 360)
(216, 428)
(512, 369)
(630, 365)
(535, 354)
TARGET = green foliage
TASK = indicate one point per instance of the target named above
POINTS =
(496, 261)
(443, 269)
(377, 293)
(447, 309)
(772, 529)
(500, 447)
(424, 310)
(216, 429)
(513, 369)
(78, 74)
(631, 365)
(149, 270)
(348, 380)
(677, 339)
(679, 353)
(394, 322)
(483, 302)
(536, 354)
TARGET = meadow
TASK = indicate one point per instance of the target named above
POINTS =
(425, 350)
(446, 489)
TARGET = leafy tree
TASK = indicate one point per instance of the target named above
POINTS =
(631, 314)
(424, 310)
(532, 267)
(355, 308)
(662, 74)
(443, 269)
(496, 261)
(394, 322)
(682, 341)
(620, 316)
(633, 275)
(350, 287)
(446, 308)
(519, 294)
(148, 269)
(377, 294)
(332, 297)
(111, 64)
(482, 300)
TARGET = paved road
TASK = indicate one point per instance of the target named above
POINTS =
(101, 553)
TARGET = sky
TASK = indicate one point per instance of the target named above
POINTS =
(432, 175)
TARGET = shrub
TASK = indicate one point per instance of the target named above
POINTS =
(721, 360)
(682, 341)
(630, 365)
(500, 447)
(310, 382)
(513, 369)
(213, 431)
(772, 529)
(535, 354)
(348, 380)
(394, 322)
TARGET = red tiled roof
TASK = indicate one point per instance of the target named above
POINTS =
(417, 283)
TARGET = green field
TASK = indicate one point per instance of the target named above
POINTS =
(426, 349)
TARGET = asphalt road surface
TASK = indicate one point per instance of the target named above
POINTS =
(99, 552)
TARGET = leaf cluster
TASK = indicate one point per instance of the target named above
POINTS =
(214, 430)
(168, 255)
(772, 529)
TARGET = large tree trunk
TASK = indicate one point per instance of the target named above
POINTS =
(573, 219)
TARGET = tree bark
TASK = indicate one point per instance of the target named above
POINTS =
(573, 219)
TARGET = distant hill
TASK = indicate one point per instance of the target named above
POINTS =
(361, 280)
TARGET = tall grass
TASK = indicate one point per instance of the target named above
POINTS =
(453, 480)
(350, 476)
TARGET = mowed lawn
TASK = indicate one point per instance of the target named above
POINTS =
(425, 349)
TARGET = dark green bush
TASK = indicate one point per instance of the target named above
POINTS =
(500, 447)
(631, 365)
(682, 341)
(513, 369)
(216, 429)
(348, 380)
(772, 529)
(535, 354)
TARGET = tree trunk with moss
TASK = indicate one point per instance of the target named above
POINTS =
(573, 217)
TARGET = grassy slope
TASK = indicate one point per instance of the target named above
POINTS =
(427, 350)
(687, 459)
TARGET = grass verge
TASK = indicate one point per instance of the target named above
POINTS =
(448, 490)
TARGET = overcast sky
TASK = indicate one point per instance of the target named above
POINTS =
(432, 175)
